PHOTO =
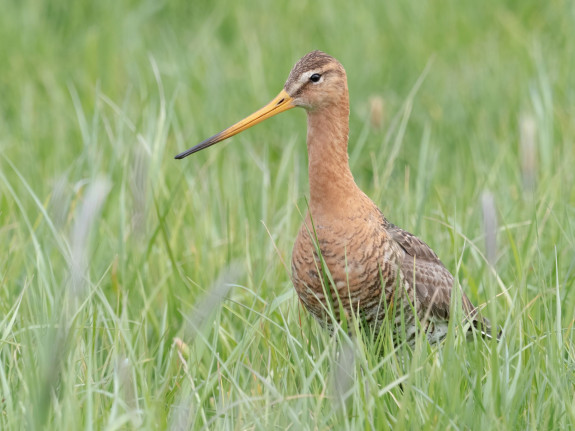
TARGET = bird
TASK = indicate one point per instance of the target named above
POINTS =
(347, 256)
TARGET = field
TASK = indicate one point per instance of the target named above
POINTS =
(142, 292)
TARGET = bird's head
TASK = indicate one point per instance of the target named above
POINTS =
(316, 81)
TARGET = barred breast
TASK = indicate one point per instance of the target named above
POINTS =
(360, 260)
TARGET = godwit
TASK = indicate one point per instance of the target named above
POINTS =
(373, 265)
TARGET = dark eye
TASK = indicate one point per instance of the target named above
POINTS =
(315, 77)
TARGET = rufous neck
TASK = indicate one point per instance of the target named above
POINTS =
(331, 183)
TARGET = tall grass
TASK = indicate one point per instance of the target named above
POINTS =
(140, 292)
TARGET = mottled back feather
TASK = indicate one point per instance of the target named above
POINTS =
(433, 282)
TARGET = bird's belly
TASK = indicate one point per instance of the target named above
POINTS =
(358, 271)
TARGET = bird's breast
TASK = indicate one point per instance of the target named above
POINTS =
(351, 261)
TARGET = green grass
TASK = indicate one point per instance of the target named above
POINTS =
(141, 292)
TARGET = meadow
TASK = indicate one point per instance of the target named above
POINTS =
(142, 292)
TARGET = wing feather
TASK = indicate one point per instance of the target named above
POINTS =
(432, 281)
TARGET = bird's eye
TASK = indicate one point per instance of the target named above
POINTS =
(315, 77)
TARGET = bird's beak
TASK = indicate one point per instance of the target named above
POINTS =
(282, 102)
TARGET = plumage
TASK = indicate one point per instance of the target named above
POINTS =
(372, 266)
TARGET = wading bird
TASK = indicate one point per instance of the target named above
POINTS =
(376, 269)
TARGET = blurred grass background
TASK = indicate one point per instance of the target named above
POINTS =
(112, 249)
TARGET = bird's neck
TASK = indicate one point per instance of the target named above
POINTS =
(332, 187)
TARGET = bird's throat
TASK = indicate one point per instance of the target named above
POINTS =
(332, 187)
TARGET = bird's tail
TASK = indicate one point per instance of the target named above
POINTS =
(484, 327)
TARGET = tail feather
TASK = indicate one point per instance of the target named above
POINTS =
(484, 327)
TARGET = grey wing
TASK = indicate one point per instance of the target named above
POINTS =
(422, 269)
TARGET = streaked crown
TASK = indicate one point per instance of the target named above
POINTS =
(316, 80)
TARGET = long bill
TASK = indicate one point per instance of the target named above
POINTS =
(282, 102)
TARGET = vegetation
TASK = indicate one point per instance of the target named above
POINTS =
(141, 292)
